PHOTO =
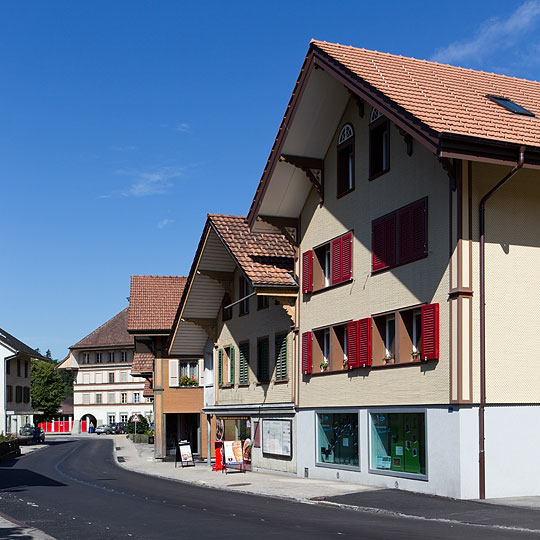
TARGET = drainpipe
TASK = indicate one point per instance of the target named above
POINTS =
(481, 409)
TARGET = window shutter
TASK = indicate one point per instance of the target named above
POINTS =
(306, 352)
(405, 224)
(364, 342)
(220, 367)
(231, 363)
(352, 344)
(307, 271)
(419, 228)
(346, 257)
(390, 240)
(377, 245)
(281, 357)
(383, 242)
(244, 363)
(337, 259)
(173, 372)
(262, 360)
(430, 332)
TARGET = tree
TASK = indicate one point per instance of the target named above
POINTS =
(48, 354)
(47, 390)
(68, 378)
(142, 425)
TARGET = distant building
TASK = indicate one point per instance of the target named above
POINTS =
(15, 406)
(104, 391)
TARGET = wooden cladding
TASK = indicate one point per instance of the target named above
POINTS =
(399, 237)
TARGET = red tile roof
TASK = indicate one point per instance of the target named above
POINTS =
(153, 301)
(267, 259)
(446, 98)
(113, 333)
(142, 363)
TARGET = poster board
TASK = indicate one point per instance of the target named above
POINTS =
(233, 452)
(276, 437)
(184, 455)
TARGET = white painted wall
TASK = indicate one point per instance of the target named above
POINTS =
(4, 352)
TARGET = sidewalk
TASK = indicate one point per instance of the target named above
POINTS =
(516, 514)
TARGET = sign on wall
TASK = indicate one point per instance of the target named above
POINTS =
(276, 437)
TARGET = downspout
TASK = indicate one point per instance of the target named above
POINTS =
(481, 409)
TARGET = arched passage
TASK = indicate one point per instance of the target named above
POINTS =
(87, 423)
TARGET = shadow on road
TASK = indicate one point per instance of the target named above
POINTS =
(14, 532)
(17, 478)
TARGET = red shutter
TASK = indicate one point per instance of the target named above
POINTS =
(306, 352)
(307, 271)
(430, 332)
(346, 257)
(377, 245)
(419, 228)
(383, 242)
(352, 344)
(337, 260)
(390, 239)
(405, 227)
(364, 342)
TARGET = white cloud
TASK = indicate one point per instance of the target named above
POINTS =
(145, 183)
(183, 127)
(495, 34)
(164, 222)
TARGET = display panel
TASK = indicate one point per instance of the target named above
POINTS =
(276, 437)
(337, 441)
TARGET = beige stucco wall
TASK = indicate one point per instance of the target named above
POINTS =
(425, 281)
(512, 278)
(258, 323)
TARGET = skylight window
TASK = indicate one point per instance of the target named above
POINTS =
(510, 105)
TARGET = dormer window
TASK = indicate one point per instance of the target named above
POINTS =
(510, 105)
(345, 160)
(379, 144)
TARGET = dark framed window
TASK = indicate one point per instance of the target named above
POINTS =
(9, 393)
(111, 377)
(262, 302)
(345, 161)
(243, 291)
(18, 368)
(379, 144)
(18, 394)
(111, 356)
(337, 439)
(263, 358)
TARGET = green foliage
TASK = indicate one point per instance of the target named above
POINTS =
(188, 381)
(8, 437)
(142, 426)
(68, 378)
(48, 354)
(47, 390)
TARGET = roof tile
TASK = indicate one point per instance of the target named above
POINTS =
(112, 333)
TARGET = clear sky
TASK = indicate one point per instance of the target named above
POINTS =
(123, 123)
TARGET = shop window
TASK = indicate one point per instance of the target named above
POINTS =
(263, 360)
(328, 264)
(345, 161)
(379, 144)
(398, 442)
(243, 350)
(399, 237)
(226, 312)
(243, 291)
(262, 302)
(337, 439)
(281, 357)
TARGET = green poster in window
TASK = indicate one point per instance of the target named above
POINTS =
(396, 442)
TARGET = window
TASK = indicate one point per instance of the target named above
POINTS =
(123, 376)
(18, 368)
(510, 105)
(8, 366)
(86, 358)
(123, 356)
(111, 418)
(337, 439)
(243, 291)
(98, 357)
(226, 312)
(111, 377)
(408, 335)
(330, 349)
(26, 394)
(9, 393)
(123, 397)
(398, 442)
(136, 397)
(99, 377)
(262, 302)
(399, 237)
(26, 369)
(281, 357)
(243, 349)
(123, 418)
(345, 160)
(111, 356)
(111, 397)
(189, 369)
(263, 368)
(328, 264)
(86, 399)
(98, 399)
(379, 144)
(226, 366)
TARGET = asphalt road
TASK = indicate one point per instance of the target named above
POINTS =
(74, 490)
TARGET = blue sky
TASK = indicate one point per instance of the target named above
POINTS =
(123, 123)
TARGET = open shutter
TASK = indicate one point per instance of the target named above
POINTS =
(220, 367)
(390, 240)
(377, 245)
(383, 242)
(306, 352)
(281, 357)
(244, 363)
(364, 342)
(231, 363)
(352, 344)
(405, 225)
(346, 257)
(430, 332)
(173, 372)
(336, 253)
(307, 271)
(419, 228)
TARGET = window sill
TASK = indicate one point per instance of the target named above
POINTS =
(340, 195)
(328, 372)
(316, 291)
(225, 386)
(386, 268)
(402, 364)
(281, 381)
(377, 175)
(246, 385)
(243, 314)
(264, 383)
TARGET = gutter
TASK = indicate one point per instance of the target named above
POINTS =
(481, 409)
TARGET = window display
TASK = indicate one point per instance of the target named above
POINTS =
(337, 438)
(398, 442)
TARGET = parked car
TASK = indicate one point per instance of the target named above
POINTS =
(104, 429)
(119, 428)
